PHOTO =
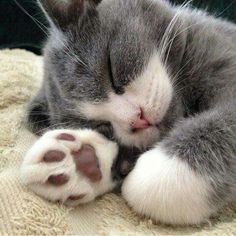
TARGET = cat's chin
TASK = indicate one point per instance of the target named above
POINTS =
(142, 138)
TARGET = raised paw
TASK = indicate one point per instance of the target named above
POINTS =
(70, 166)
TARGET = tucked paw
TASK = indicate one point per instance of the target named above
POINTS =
(165, 189)
(71, 166)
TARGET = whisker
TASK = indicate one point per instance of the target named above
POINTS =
(224, 10)
(164, 42)
(37, 22)
(44, 28)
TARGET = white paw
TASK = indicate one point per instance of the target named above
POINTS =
(165, 189)
(71, 166)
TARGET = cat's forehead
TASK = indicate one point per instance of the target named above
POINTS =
(118, 33)
(115, 38)
(122, 20)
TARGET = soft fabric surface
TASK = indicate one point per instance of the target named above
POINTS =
(23, 213)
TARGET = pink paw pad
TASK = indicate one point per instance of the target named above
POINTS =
(66, 137)
(85, 160)
(58, 180)
(87, 163)
(54, 156)
(75, 198)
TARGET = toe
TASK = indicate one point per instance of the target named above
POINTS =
(66, 137)
(54, 156)
(58, 180)
(76, 197)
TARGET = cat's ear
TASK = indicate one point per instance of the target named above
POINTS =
(62, 13)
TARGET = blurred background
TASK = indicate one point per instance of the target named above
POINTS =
(22, 24)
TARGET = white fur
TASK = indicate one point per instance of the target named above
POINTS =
(152, 91)
(34, 172)
(167, 190)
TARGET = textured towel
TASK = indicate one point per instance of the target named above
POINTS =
(23, 213)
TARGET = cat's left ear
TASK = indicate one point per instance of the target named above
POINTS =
(62, 13)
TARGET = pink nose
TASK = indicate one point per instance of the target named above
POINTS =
(141, 122)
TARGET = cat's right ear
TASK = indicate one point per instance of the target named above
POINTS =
(62, 13)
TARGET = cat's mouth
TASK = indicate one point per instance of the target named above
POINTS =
(140, 138)
(139, 130)
(142, 124)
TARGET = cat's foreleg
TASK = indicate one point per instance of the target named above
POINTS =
(191, 174)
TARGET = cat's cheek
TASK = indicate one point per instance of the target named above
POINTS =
(166, 190)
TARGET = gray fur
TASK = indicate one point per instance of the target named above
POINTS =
(127, 31)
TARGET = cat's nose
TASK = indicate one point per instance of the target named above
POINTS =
(140, 122)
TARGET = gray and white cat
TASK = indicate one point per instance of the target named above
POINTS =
(136, 79)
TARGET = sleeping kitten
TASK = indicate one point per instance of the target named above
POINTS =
(128, 79)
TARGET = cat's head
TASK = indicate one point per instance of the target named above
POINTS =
(111, 65)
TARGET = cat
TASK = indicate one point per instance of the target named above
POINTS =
(139, 93)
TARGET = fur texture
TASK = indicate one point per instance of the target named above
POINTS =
(106, 64)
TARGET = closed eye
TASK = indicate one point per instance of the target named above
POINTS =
(118, 90)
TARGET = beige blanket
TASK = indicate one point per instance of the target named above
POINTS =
(23, 213)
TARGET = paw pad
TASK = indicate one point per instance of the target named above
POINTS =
(54, 156)
(62, 166)
(87, 163)
(66, 137)
(58, 180)
(75, 198)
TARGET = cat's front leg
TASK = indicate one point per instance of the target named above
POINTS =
(70, 166)
(164, 188)
(190, 175)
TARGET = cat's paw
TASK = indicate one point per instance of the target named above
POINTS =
(70, 166)
(167, 190)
